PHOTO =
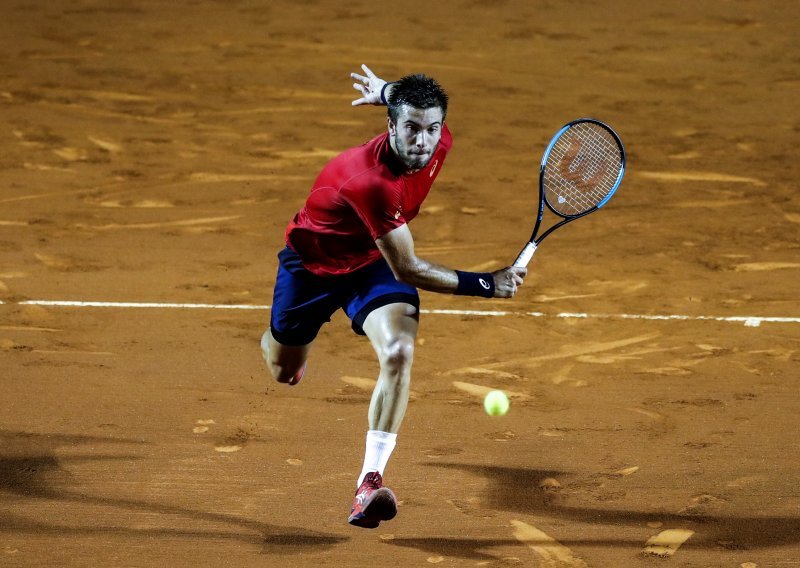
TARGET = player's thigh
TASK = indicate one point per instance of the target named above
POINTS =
(392, 331)
(301, 304)
(375, 289)
(390, 322)
(385, 310)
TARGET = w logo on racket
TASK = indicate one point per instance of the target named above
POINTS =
(574, 167)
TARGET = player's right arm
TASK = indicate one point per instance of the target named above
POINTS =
(373, 89)
(397, 247)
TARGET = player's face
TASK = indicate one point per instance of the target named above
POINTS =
(416, 135)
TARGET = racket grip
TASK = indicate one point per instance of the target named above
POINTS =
(525, 256)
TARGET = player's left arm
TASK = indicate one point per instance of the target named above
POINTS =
(397, 247)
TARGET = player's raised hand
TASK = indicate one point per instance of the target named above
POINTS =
(369, 86)
(507, 280)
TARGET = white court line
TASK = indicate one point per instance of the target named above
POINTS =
(748, 321)
(164, 305)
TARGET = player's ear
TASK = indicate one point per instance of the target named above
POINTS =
(391, 126)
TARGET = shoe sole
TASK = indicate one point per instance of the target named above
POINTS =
(381, 507)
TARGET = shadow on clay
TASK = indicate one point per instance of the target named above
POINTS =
(517, 490)
(30, 468)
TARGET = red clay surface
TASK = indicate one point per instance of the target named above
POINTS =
(153, 152)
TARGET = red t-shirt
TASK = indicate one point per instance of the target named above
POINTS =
(361, 195)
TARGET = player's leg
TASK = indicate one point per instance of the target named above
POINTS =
(392, 330)
(301, 304)
(287, 363)
(386, 311)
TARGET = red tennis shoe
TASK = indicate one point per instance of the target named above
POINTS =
(298, 375)
(373, 503)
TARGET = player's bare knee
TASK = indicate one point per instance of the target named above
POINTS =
(398, 355)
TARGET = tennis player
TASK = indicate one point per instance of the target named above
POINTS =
(350, 248)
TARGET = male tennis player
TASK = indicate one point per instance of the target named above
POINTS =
(350, 247)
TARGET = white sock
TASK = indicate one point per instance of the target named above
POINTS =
(379, 448)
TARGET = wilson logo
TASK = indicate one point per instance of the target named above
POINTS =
(574, 168)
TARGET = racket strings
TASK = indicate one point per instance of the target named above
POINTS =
(582, 169)
(580, 178)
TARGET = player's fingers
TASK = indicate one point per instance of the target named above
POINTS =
(360, 88)
(507, 291)
(513, 277)
(358, 77)
(361, 101)
(368, 71)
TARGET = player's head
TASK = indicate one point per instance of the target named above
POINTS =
(417, 91)
(417, 107)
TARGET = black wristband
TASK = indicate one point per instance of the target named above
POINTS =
(383, 94)
(475, 284)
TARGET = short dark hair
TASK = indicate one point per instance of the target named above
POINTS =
(417, 91)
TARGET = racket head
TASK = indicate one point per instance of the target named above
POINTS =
(581, 168)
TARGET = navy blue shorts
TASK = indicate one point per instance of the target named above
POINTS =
(303, 301)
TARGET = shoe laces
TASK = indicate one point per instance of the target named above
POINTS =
(374, 480)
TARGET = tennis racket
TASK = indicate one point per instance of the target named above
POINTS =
(581, 169)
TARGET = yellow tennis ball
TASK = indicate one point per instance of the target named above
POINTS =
(495, 403)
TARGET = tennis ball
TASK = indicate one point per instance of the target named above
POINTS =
(495, 403)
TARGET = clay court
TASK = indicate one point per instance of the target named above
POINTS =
(152, 154)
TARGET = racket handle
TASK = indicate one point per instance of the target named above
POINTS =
(525, 256)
